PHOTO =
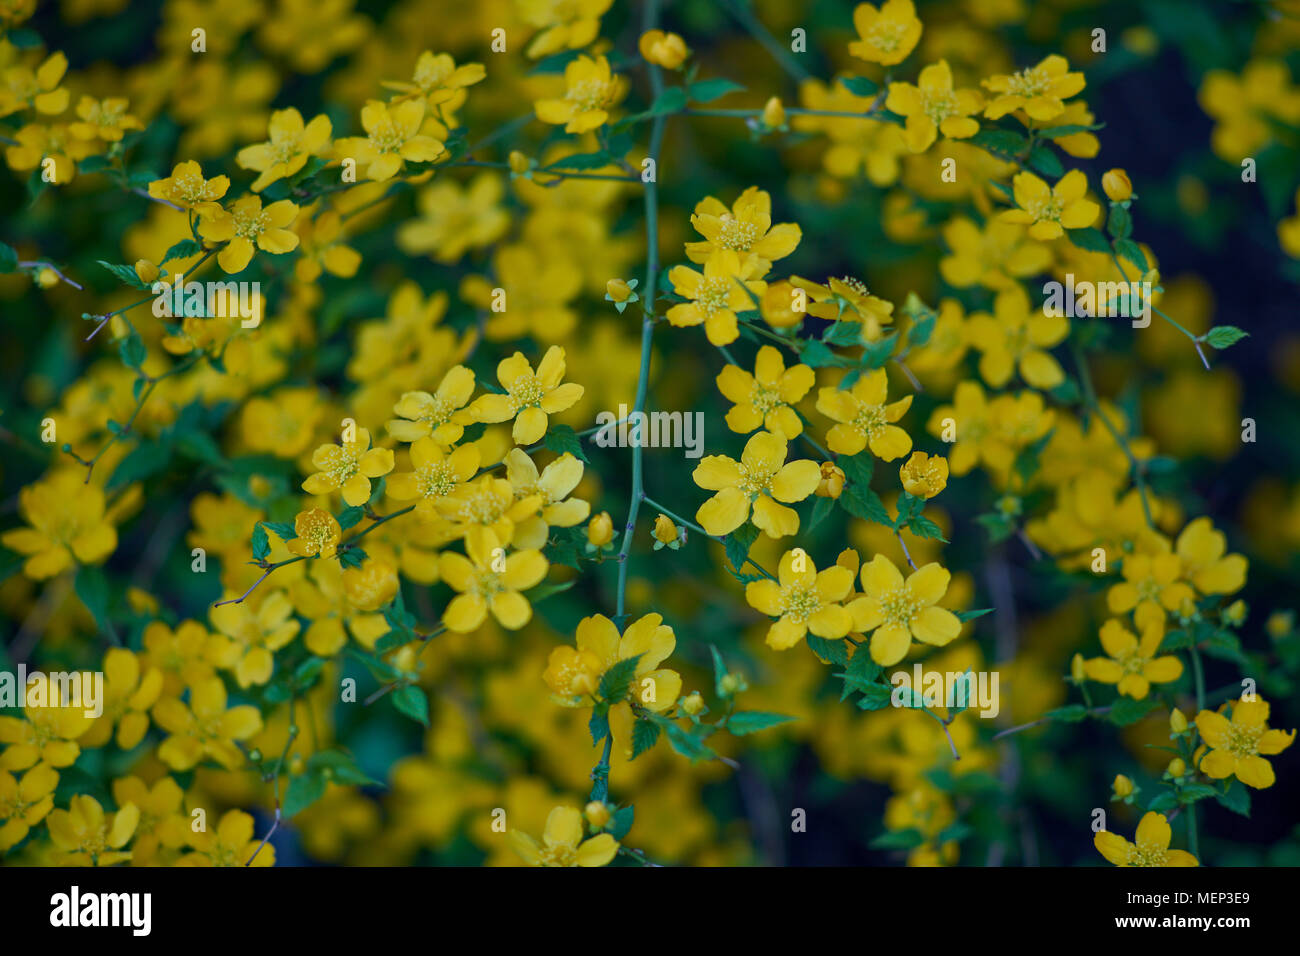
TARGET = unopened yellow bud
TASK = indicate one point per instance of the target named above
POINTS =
(663, 49)
(729, 684)
(924, 476)
(1116, 185)
(600, 530)
(1235, 612)
(518, 162)
(773, 114)
(47, 278)
(618, 290)
(1177, 767)
(693, 703)
(597, 814)
(665, 529)
(1076, 669)
(1177, 722)
(146, 270)
(1122, 786)
(832, 483)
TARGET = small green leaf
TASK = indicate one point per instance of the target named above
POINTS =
(303, 790)
(562, 438)
(350, 516)
(645, 734)
(1223, 336)
(125, 274)
(183, 250)
(706, 91)
(1043, 159)
(261, 545)
(413, 702)
(615, 681)
(670, 100)
(8, 258)
(751, 721)
(860, 86)
(1130, 250)
(1127, 711)
(1090, 239)
(908, 839)
(1070, 714)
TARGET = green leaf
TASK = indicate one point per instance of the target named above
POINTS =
(909, 506)
(685, 743)
(562, 438)
(999, 142)
(8, 258)
(350, 516)
(1127, 711)
(614, 682)
(998, 525)
(971, 615)
(1163, 802)
(834, 651)
(876, 354)
(861, 502)
(24, 39)
(1223, 336)
(1120, 223)
(131, 349)
(340, 767)
(816, 354)
(303, 790)
(1070, 714)
(719, 670)
(875, 696)
(1226, 646)
(183, 250)
(843, 333)
(860, 86)
(670, 100)
(738, 544)
(1058, 132)
(645, 734)
(146, 459)
(923, 527)
(821, 508)
(581, 162)
(125, 274)
(1045, 160)
(281, 529)
(706, 91)
(92, 587)
(598, 726)
(412, 701)
(620, 822)
(750, 721)
(908, 839)
(1089, 238)
(1192, 792)
(352, 557)
(261, 545)
(1130, 250)
(1236, 797)
(858, 468)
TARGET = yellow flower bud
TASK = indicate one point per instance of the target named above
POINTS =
(618, 290)
(146, 270)
(600, 530)
(1177, 722)
(773, 113)
(1235, 612)
(777, 305)
(663, 49)
(47, 278)
(1122, 786)
(730, 684)
(665, 529)
(1076, 669)
(597, 814)
(1176, 767)
(518, 162)
(1279, 624)
(1116, 185)
(832, 483)
(693, 703)
(924, 476)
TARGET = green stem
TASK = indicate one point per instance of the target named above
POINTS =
(693, 526)
(746, 18)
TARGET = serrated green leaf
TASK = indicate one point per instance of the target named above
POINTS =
(751, 721)
(860, 86)
(614, 682)
(561, 439)
(1090, 239)
(645, 734)
(1223, 336)
(413, 702)
(302, 791)
(706, 91)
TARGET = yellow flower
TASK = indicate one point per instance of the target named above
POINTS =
(128, 696)
(24, 803)
(663, 49)
(765, 399)
(924, 476)
(488, 580)
(563, 24)
(255, 633)
(693, 703)
(1177, 767)
(1131, 663)
(91, 839)
(994, 255)
(1122, 787)
(1017, 337)
(562, 843)
(591, 91)
(934, 107)
(489, 503)
(438, 79)
(37, 143)
(1049, 211)
(1038, 90)
(1150, 586)
(716, 295)
(434, 475)
(1177, 721)
(287, 149)
(105, 119)
(392, 136)
(549, 492)
(887, 35)
(204, 728)
(1201, 549)
(1115, 183)
(597, 814)
(600, 531)
(187, 188)
(864, 419)
(163, 823)
(746, 228)
(1150, 846)
(455, 219)
(848, 300)
(802, 599)
(666, 532)
(47, 732)
(898, 610)
(760, 479)
(246, 223)
(832, 482)
(323, 248)
(68, 522)
(773, 113)
(348, 465)
(316, 534)
(37, 89)
(573, 673)
(618, 290)
(230, 843)
(1238, 747)
(530, 396)
(439, 415)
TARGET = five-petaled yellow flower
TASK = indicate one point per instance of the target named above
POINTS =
(1038, 90)
(489, 580)
(562, 843)
(287, 149)
(885, 36)
(933, 107)
(88, 836)
(746, 228)
(1150, 846)
(1015, 336)
(434, 474)
(1133, 664)
(1050, 210)
(530, 396)
(897, 610)
(724, 288)
(349, 466)
(393, 137)
(1238, 746)
(864, 420)
(316, 533)
(802, 599)
(759, 480)
(591, 91)
(441, 415)
(246, 223)
(924, 476)
(765, 399)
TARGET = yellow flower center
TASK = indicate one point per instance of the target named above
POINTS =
(250, 224)
(1244, 741)
(1148, 854)
(899, 606)
(589, 95)
(316, 530)
(1045, 210)
(431, 73)
(886, 35)
(526, 391)
(484, 507)
(713, 295)
(342, 461)
(755, 481)
(939, 105)
(869, 419)
(191, 188)
(765, 399)
(800, 602)
(559, 855)
(435, 480)
(737, 234)
(486, 584)
(106, 114)
(1030, 82)
(388, 138)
